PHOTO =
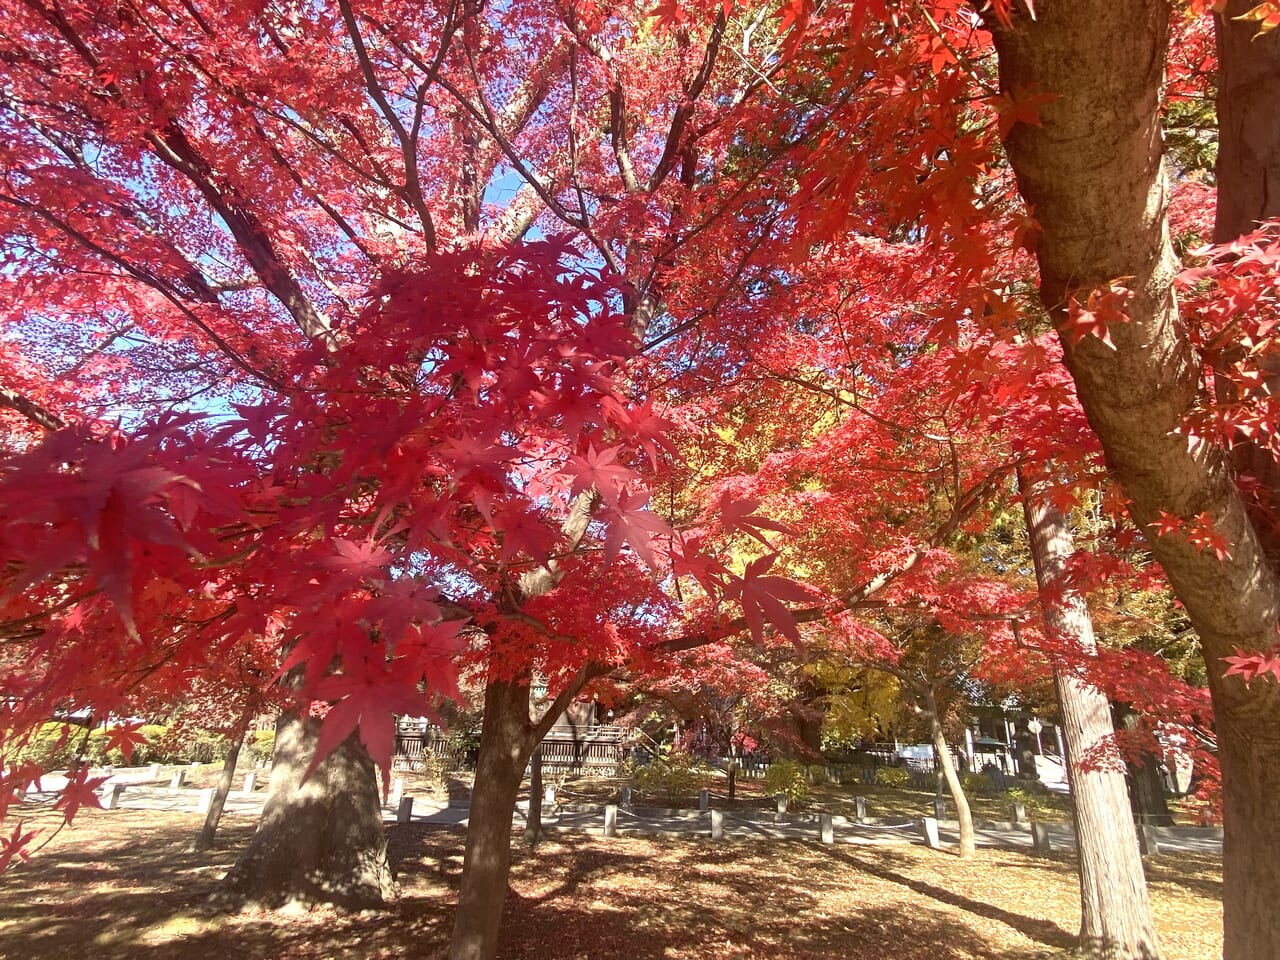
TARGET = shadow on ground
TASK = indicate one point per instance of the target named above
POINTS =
(124, 886)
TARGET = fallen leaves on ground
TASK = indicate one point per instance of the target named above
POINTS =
(123, 885)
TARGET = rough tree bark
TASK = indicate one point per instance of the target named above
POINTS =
(321, 841)
(963, 814)
(1093, 173)
(1115, 912)
(507, 738)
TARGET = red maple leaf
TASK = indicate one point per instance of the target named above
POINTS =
(1020, 106)
(600, 469)
(761, 598)
(15, 845)
(125, 737)
(629, 522)
(368, 693)
(81, 791)
(1103, 307)
(740, 515)
(1251, 665)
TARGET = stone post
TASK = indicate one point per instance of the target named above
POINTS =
(717, 824)
(1018, 811)
(111, 795)
(404, 813)
(780, 812)
(826, 828)
(250, 781)
(178, 779)
(397, 792)
(929, 830)
(205, 803)
(610, 819)
(939, 808)
(860, 808)
(624, 799)
(704, 801)
(1040, 839)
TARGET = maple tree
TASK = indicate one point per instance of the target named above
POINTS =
(380, 335)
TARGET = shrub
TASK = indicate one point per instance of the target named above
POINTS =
(817, 774)
(788, 778)
(262, 745)
(977, 783)
(52, 746)
(892, 777)
(671, 778)
(436, 769)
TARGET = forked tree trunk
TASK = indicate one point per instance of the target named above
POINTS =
(505, 745)
(1093, 174)
(963, 814)
(211, 819)
(507, 738)
(321, 841)
(1115, 912)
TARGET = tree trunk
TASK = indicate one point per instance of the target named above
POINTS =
(963, 814)
(1093, 173)
(205, 840)
(533, 824)
(1146, 786)
(321, 841)
(1115, 913)
(1248, 171)
(505, 745)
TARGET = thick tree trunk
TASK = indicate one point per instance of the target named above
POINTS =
(533, 824)
(963, 814)
(1115, 912)
(1093, 173)
(1146, 787)
(505, 745)
(211, 820)
(321, 841)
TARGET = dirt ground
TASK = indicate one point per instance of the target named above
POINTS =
(122, 885)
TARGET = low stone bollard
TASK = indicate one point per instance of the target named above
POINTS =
(1148, 842)
(929, 830)
(826, 828)
(178, 779)
(610, 819)
(404, 812)
(397, 792)
(1040, 842)
(1018, 812)
(549, 797)
(205, 803)
(940, 808)
(154, 772)
(624, 800)
(717, 824)
(250, 781)
(780, 811)
(704, 801)
(111, 795)
(860, 808)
